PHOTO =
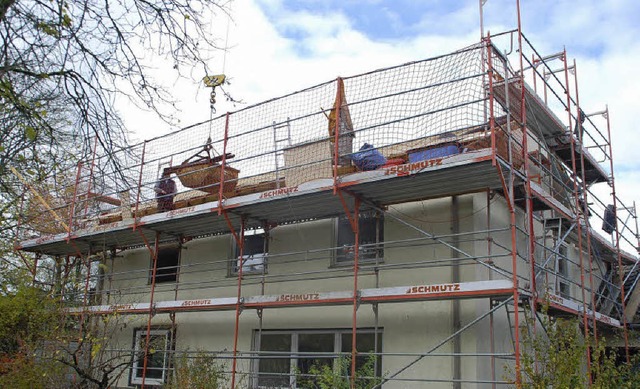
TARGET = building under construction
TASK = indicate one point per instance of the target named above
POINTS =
(411, 216)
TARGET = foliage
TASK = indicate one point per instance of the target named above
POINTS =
(608, 373)
(199, 370)
(27, 318)
(42, 345)
(28, 372)
(323, 376)
(27, 315)
(64, 64)
(555, 356)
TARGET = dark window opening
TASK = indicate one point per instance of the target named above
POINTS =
(371, 229)
(563, 272)
(168, 263)
(254, 254)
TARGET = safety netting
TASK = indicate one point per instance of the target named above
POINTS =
(290, 140)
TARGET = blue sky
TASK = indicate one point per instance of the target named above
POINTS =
(589, 27)
(278, 46)
(378, 20)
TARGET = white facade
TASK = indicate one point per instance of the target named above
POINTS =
(300, 265)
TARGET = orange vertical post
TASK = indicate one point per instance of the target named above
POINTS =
(356, 253)
(619, 254)
(492, 120)
(576, 191)
(73, 202)
(336, 132)
(585, 215)
(240, 243)
(90, 180)
(223, 163)
(135, 215)
(153, 288)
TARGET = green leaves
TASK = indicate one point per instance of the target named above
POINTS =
(30, 133)
(66, 20)
(336, 375)
(49, 29)
(197, 370)
(54, 28)
(557, 358)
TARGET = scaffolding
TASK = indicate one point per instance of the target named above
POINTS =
(465, 136)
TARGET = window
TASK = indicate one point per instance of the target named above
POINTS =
(287, 356)
(158, 357)
(563, 272)
(168, 262)
(254, 258)
(371, 228)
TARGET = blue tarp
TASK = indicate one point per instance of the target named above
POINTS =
(368, 158)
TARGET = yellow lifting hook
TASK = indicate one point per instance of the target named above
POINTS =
(213, 82)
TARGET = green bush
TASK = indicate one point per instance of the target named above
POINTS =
(556, 357)
(323, 376)
(198, 370)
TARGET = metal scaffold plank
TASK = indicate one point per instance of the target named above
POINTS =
(461, 173)
(442, 291)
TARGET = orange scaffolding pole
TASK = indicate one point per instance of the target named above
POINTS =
(585, 215)
(618, 252)
(576, 194)
(90, 181)
(240, 244)
(525, 157)
(223, 165)
(135, 215)
(153, 288)
(508, 188)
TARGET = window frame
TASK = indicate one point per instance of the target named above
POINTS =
(139, 335)
(233, 263)
(376, 248)
(564, 286)
(293, 357)
(166, 276)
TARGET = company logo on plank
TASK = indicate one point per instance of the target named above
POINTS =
(408, 168)
(278, 192)
(433, 288)
(120, 307)
(104, 227)
(606, 319)
(299, 297)
(191, 303)
(555, 299)
(180, 211)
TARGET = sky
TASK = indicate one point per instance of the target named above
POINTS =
(276, 47)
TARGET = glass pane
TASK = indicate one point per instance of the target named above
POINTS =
(253, 244)
(371, 232)
(364, 344)
(167, 267)
(155, 362)
(254, 256)
(155, 357)
(310, 344)
(251, 263)
(274, 369)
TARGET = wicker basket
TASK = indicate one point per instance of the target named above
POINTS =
(205, 175)
(502, 145)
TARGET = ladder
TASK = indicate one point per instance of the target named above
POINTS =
(281, 140)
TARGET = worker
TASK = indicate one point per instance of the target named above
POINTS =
(165, 191)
